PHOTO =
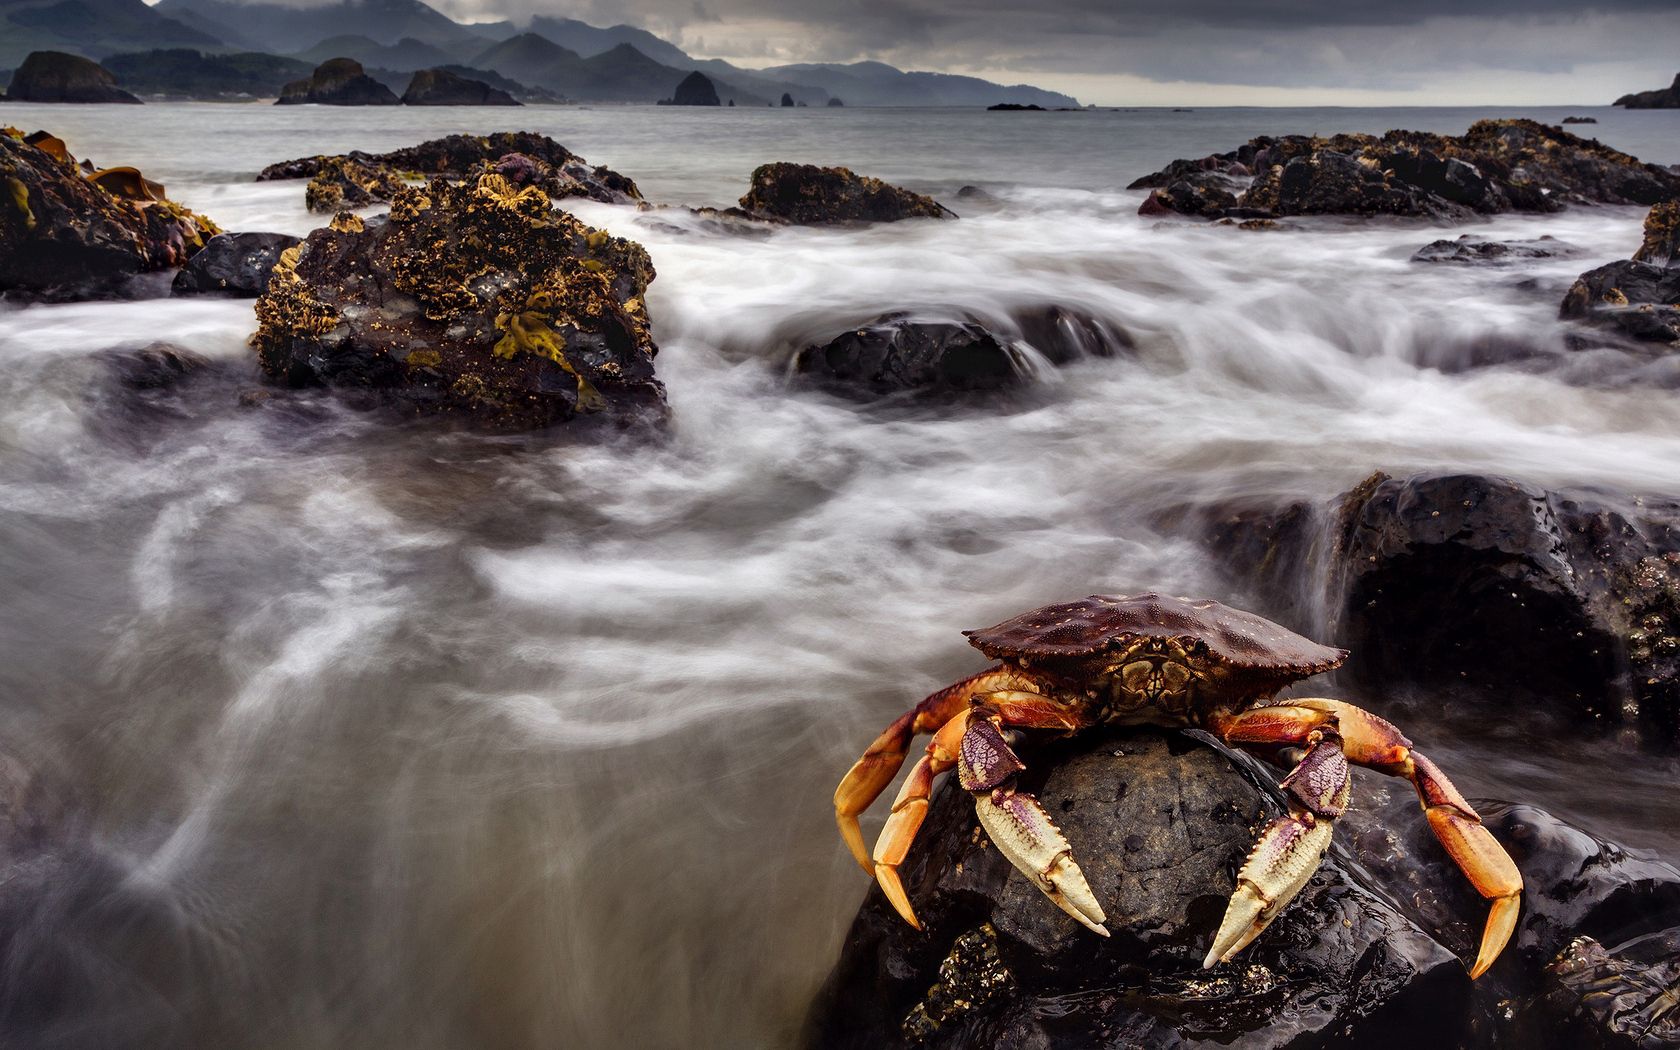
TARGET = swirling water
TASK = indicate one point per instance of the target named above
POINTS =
(331, 732)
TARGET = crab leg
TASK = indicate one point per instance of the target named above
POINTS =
(1290, 849)
(1376, 744)
(871, 774)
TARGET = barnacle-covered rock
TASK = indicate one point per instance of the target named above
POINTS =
(66, 235)
(232, 264)
(337, 82)
(807, 195)
(1496, 166)
(1639, 296)
(474, 299)
(526, 158)
(342, 182)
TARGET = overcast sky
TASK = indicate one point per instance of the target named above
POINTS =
(1120, 52)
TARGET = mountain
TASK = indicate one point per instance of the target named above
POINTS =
(528, 58)
(878, 84)
(622, 73)
(289, 30)
(91, 28)
(588, 41)
(185, 73)
(406, 55)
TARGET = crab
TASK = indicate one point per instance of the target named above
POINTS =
(1158, 660)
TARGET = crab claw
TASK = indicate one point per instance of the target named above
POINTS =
(1023, 832)
(1284, 858)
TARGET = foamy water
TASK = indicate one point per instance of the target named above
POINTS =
(374, 735)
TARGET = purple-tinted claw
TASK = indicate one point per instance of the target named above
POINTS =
(1288, 852)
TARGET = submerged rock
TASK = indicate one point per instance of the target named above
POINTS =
(807, 195)
(472, 299)
(1640, 296)
(525, 157)
(895, 354)
(53, 76)
(337, 82)
(1466, 250)
(65, 235)
(1159, 823)
(1496, 166)
(440, 87)
(232, 264)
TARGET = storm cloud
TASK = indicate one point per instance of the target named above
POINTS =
(1117, 51)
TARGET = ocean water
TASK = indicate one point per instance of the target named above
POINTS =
(328, 732)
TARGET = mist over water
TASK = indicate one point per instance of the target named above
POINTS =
(326, 731)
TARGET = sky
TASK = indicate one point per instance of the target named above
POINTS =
(1189, 52)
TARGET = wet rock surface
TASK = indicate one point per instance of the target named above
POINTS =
(65, 236)
(807, 195)
(895, 354)
(523, 157)
(53, 76)
(344, 182)
(1467, 250)
(1638, 296)
(1159, 823)
(476, 300)
(1496, 166)
(337, 82)
(440, 87)
(232, 264)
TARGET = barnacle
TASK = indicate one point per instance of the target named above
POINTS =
(529, 330)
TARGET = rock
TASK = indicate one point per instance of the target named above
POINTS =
(894, 354)
(1662, 98)
(337, 82)
(695, 90)
(1159, 822)
(440, 87)
(787, 100)
(156, 366)
(64, 236)
(345, 183)
(1620, 997)
(1580, 120)
(1639, 296)
(1483, 586)
(540, 161)
(836, 102)
(1465, 250)
(53, 76)
(806, 195)
(1496, 166)
(232, 264)
(1016, 107)
(471, 299)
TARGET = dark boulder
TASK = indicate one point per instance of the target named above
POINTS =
(1466, 250)
(1159, 823)
(232, 264)
(540, 161)
(1016, 107)
(1580, 120)
(1661, 98)
(787, 100)
(894, 355)
(1496, 166)
(66, 234)
(440, 87)
(695, 90)
(1641, 296)
(476, 300)
(337, 82)
(807, 195)
(53, 76)
(836, 102)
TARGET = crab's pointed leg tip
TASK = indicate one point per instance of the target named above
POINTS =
(894, 889)
(852, 832)
(1098, 928)
(1502, 921)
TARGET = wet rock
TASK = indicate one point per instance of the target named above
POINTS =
(1159, 822)
(696, 90)
(476, 300)
(1627, 996)
(65, 235)
(337, 82)
(1580, 120)
(807, 195)
(53, 76)
(342, 182)
(1641, 296)
(1065, 335)
(537, 160)
(1661, 98)
(894, 354)
(440, 87)
(232, 264)
(1496, 166)
(1466, 250)
(156, 366)
(1484, 586)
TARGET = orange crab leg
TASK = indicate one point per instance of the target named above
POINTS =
(871, 774)
(1376, 744)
